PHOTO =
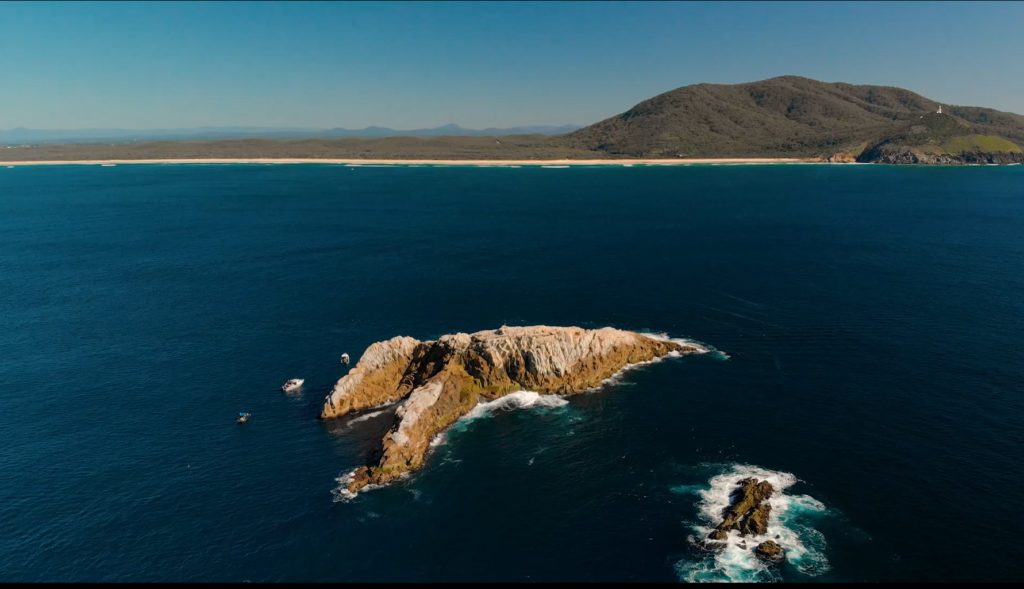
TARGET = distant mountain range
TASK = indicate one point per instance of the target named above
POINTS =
(35, 136)
(792, 116)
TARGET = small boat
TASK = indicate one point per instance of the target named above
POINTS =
(292, 385)
(244, 417)
(344, 358)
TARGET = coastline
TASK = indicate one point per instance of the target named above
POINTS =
(392, 162)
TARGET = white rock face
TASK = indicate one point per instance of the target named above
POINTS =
(381, 367)
(419, 401)
(548, 351)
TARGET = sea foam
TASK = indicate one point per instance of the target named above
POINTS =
(701, 347)
(788, 527)
(510, 402)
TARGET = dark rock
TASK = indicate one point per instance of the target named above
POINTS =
(769, 551)
(895, 154)
(718, 536)
(748, 511)
(756, 522)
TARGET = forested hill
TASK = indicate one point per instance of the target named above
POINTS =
(788, 116)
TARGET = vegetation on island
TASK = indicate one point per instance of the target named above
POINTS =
(795, 117)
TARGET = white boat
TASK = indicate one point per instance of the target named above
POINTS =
(292, 385)
(344, 358)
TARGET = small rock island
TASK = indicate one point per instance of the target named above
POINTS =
(440, 381)
(748, 513)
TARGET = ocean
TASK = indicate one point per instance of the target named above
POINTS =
(867, 325)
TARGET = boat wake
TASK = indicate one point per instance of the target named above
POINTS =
(790, 527)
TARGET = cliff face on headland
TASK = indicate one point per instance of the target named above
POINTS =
(792, 116)
(907, 155)
(942, 139)
(441, 381)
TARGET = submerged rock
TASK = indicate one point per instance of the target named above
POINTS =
(443, 380)
(770, 551)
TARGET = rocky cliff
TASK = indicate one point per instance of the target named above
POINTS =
(443, 380)
(907, 155)
(941, 139)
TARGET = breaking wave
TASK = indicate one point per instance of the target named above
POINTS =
(702, 348)
(789, 526)
(512, 401)
(343, 495)
(341, 492)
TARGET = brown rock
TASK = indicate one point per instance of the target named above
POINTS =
(748, 511)
(769, 551)
(443, 380)
(716, 539)
(374, 380)
(841, 158)
(756, 522)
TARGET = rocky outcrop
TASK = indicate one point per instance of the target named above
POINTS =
(905, 155)
(943, 139)
(444, 379)
(374, 380)
(996, 157)
(897, 154)
(840, 158)
(769, 551)
(748, 511)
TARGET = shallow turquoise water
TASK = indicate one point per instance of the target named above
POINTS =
(871, 317)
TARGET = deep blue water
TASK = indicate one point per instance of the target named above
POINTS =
(872, 317)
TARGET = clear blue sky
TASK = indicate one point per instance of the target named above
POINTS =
(407, 65)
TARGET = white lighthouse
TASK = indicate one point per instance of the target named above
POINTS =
(940, 110)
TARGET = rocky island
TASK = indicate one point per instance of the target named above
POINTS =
(440, 381)
(748, 513)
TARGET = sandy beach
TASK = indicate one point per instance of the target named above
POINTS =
(369, 162)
